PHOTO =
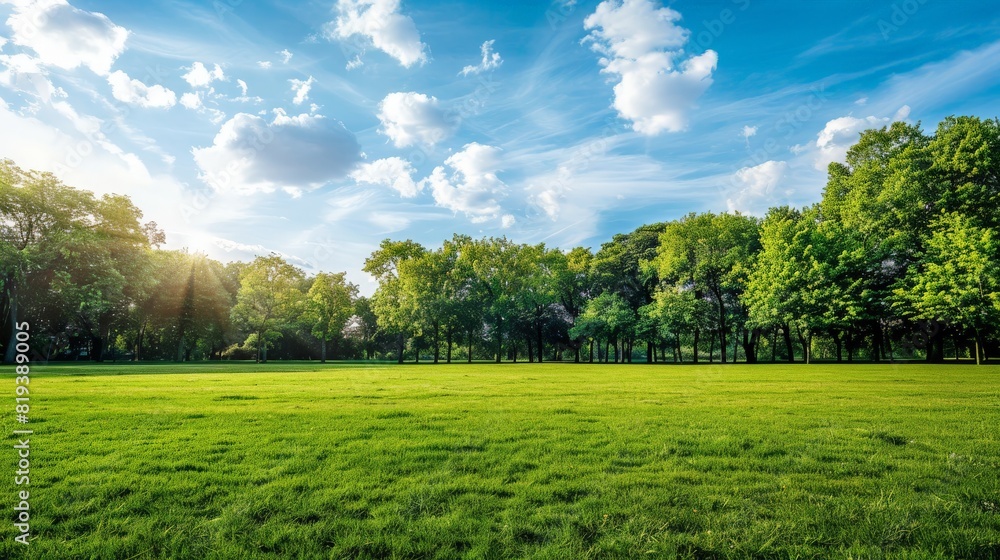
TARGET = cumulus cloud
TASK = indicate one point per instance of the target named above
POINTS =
(301, 89)
(491, 60)
(749, 132)
(135, 92)
(473, 186)
(243, 87)
(200, 76)
(379, 22)
(392, 172)
(411, 118)
(264, 64)
(755, 186)
(641, 44)
(250, 154)
(507, 220)
(66, 37)
(191, 100)
(841, 133)
(286, 55)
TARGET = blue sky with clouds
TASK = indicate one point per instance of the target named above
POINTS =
(317, 129)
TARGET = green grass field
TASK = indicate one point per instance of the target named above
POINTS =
(554, 461)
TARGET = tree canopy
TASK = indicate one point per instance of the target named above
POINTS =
(899, 259)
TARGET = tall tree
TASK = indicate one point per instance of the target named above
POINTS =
(705, 253)
(328, 305)
(387, 302)
(958, 281)
(267, 302)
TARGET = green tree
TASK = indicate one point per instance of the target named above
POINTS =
(387, 302)
(958, 280)
(267, 302)
(706, 253)
(328, 305)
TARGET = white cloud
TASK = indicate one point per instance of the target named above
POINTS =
(507, 220)
(411, 118)
(491, 60)
(473, 186)
(66, 37)
(381, 23)
(200, 76)
(841, 133)
(641, 44)
(749, 132)
(252, 155)
(243, 87)
(264, 64)
(301, 89)
(393, 172)
(25, 73)
(135, 92)
(286, 55)
(755, 186)
(191, 100)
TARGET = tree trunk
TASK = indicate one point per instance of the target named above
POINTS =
(802, 342)
(450, 329)
(180, 348)
(849, 343)
(839, 344)
(592, 350)
(470, 346)
(774, 344)
(786, 330)
(711, 347)
(722, 328)
(736, 347)
(401, 345)
(650, 352)
(97, 348)
(531, 352)
(437, 341)
(138, 342)
(11, 353)
(697, 334)
(322, 349)
(499, 340)
(750, 342)
(538, 335)
(978, 346)
(877, 343)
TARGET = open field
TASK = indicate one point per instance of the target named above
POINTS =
(510, 461)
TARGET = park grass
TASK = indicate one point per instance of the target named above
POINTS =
(554, 461)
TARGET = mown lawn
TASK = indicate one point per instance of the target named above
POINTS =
(554, 461)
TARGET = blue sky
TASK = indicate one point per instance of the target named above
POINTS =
(317, 129)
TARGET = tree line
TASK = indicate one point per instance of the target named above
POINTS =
(898, 260)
